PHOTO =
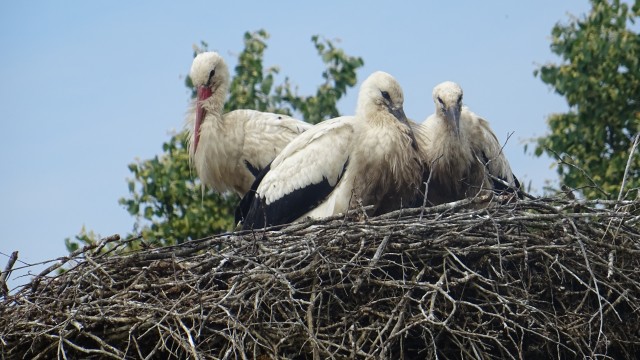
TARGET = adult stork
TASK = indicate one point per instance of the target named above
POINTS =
(370, 159)
(229, 150)
(460, 151)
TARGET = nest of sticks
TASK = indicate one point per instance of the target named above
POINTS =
(544, 278)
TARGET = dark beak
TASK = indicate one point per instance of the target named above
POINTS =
(453, 116)
(399, 114)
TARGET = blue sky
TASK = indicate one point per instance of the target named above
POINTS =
(88, 87)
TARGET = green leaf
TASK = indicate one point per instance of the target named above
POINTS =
(600, 80)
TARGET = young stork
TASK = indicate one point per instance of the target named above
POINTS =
(460, 150)
(229, 150)
(370, 158)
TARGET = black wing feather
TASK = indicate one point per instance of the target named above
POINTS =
(255, 171)
(242, 210)
(289, 207)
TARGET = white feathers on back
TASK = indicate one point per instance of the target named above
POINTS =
(370, 157)
(317, 154)
(228, 150)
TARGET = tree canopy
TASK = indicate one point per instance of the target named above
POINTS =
(599, 76)
(166, 198)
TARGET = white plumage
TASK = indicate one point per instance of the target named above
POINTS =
(229, 150)
(370, 157)
(460, 150)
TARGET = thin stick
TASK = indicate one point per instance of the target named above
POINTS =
(63, 260)
(372, 264)
(628, 167)
(426, 186)
(584, 173)
(6, 272)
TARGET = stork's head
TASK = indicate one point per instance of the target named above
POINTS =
(380, 93)
(447, 97)
(209, 74)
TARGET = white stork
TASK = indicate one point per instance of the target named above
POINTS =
(460, 151)
(229, 150)
(371, 157)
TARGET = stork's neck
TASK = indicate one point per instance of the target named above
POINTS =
(375, 116)
(451, 149)
(215, 103)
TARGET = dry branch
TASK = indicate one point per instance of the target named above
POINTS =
(527, 279)
(5, 274)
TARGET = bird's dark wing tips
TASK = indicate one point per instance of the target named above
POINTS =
(255, 171)
(243, 208)
(290, 206)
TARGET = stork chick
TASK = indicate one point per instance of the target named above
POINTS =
(229, 150)
(370, 158)
(460, 151)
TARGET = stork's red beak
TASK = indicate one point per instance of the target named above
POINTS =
(204, 92)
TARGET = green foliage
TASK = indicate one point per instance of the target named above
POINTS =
(600, 78)
(83, 237)
(165, 196)
(340, 74)
(168, 201)
(252, 85)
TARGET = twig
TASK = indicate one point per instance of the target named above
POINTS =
(426, 185)
(309, 315)
(632, 151)
(581, 170)
(6, 272)
(372, 264)
(63, 260)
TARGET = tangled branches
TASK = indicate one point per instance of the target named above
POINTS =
(537, 278)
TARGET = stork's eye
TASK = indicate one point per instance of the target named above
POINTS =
(460, 100)
(385, 95)
(440, 101)
(211, 74)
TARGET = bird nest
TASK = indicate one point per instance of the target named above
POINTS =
(543, 278)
